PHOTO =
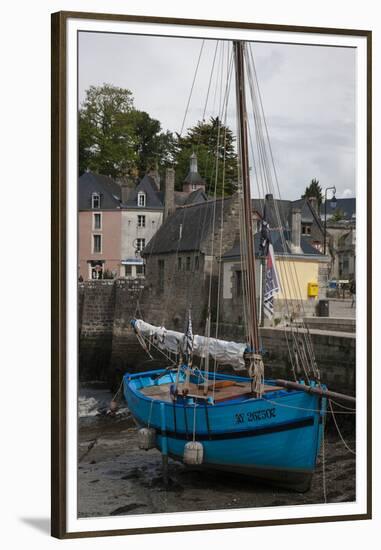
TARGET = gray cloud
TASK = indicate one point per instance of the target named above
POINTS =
(308, 95)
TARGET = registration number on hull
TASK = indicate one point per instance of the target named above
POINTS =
(255, 416)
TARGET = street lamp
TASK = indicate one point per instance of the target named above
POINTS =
(333, 205)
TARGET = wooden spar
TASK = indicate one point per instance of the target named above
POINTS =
(253, 331)
(315, 389)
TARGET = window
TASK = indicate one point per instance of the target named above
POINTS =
(161, 274)
(188, 263)
(140, 244)
(306, 230)
(95, 200)
(141, 221)
(179, 262)
(141, 198)
(128, 270)
(97, 244)
(194, 187)
(97, 221)
(140, 270)
(196, 263)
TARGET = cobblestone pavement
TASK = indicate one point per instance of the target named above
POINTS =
(342, 308)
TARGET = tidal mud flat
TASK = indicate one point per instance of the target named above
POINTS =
(115, 477)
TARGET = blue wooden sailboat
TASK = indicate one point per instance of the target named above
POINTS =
(264, 428)
(275, 438)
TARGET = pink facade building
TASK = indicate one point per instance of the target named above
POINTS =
(116, 222)
(99, 224)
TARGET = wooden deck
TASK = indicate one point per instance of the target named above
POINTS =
(224, 390)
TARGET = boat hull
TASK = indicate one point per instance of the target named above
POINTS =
(275, 439)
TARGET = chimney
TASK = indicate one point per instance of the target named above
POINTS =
(314, 204)
(125, 185)
(296, 228)
(169, 192)
(153, 173)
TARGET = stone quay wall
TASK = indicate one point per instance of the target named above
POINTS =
(335, 354)
(108, 346)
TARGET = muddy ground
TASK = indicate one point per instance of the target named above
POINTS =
(117, 478)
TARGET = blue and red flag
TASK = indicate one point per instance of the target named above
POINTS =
(271, 279)
(188, 336)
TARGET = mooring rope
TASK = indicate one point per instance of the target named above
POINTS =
(339, 432)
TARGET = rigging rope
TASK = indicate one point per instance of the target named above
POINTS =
(191, 90)
(264, 175)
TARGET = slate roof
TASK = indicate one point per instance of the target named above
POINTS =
(194, 177)
(347, 206)
(154, 197)
(306, 210)
(108, 190)
(182, 198)
(306, 248)
(285, 207)
(196, 222)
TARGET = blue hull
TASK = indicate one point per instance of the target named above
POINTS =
(275, 438)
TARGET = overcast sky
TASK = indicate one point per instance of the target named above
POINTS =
(308, 96)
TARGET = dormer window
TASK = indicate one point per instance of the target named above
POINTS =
(141, 198)
(95, 200)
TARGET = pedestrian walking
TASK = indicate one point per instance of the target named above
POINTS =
(353, 292)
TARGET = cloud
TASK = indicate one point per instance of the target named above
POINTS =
(308, 95)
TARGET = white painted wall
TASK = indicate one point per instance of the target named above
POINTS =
(131, 231)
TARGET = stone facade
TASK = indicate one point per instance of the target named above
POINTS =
(108, 346)
(96, 309)
(335, 354)
(183, 278)
(342, 246)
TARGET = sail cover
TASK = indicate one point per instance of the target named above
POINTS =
(224, 352)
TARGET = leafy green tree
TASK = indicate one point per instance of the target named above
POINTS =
(213, 143)
(153, 148)
(338, 215)
(106, 133)
(118, 140)
(314, 190)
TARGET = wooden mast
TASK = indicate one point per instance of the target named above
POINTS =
(253, 332)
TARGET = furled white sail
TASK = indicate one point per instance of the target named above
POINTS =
(224, 352)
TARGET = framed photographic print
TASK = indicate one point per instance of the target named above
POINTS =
(211, 297)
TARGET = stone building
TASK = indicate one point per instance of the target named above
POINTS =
(196, 253)
(341, 238)
(182, 259)
(342, 248)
